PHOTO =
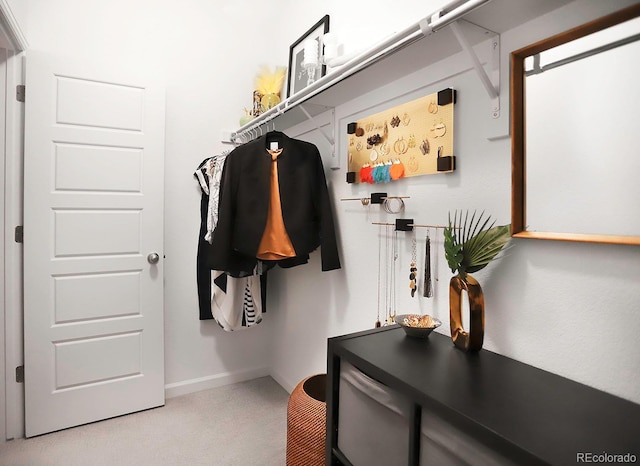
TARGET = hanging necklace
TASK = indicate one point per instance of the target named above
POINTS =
(377, 324)
(436, 259)
(391, 315)
(388, 276)
(427, 290)
(413, 269)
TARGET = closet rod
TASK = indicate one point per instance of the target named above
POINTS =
(415, 31)
(603, 48)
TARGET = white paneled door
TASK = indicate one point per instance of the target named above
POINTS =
(93, 220)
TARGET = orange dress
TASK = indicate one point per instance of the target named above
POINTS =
(275, 243)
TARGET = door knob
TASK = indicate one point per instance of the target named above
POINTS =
(153, 258)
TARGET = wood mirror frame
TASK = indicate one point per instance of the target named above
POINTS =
(518, 125)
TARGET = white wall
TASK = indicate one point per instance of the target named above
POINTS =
(358, 25)
(567, 308)
(19, 11)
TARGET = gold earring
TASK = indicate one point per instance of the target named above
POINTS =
(413, 165)
(400, 146)
(385, 149)
(440, 129)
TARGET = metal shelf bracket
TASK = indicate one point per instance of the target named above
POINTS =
(329, 137)
(490, 83)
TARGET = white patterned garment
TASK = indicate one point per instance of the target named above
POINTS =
(209, 175)
(235, 302)
(214, 196)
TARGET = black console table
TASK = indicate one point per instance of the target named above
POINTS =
(526, 414)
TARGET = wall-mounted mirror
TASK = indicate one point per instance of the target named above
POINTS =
(575, 126)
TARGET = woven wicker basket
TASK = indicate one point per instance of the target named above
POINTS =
(306, 422)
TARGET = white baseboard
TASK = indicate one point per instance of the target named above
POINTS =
(212, 381)
(282, 381)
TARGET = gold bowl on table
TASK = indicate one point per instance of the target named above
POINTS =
(416, 325)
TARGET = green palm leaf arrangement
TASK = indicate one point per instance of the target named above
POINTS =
(470, 244)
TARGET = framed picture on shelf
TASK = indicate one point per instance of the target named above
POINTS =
(300, 76)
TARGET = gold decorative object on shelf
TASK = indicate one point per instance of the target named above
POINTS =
(269, 101)
(246, 118)
(417, 135)
(269, 85)
(257, 106)
(470, 245)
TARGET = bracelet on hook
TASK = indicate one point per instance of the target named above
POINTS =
(406, 224)
(381, 198)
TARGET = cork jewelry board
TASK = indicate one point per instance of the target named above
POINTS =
(416, 136)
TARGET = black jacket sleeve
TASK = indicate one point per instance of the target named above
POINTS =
(328, 243)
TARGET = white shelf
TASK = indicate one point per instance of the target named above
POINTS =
(403, 53)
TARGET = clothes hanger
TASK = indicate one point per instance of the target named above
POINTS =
(273, 126)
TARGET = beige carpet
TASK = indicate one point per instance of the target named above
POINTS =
(236, 425)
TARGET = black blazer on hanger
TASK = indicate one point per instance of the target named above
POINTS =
(244, 204)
